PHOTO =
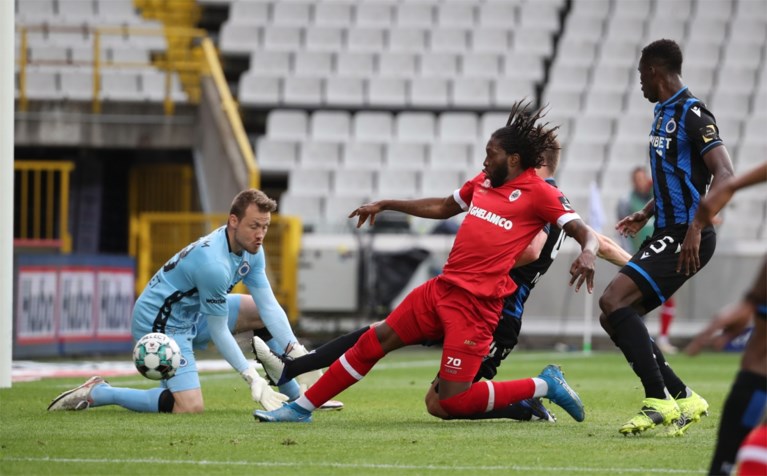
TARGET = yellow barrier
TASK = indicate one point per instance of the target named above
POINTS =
(161, 235)
(42, 209)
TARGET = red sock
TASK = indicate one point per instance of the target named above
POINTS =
(667, 311)
(347, 370)
(488, 395)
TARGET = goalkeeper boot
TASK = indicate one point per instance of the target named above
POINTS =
(655, 411)
(537, 411)
(79, 398)
(273, 364)
(289, 412)
(561, 393)
(692, 408)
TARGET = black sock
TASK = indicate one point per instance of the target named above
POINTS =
(673, 383)
(322, 356)
(740, 415)
(515, 411)
(632, 338)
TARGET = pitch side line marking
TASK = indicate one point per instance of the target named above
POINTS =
(265, 464)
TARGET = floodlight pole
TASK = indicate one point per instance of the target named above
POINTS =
(7, 18)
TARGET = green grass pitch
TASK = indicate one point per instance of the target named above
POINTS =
(384, 428)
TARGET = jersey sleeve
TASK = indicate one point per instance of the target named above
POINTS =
(554, 207)
(463, 195)
(212, 284)
(701, 129)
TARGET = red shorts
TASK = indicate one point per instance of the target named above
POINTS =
(438, 309)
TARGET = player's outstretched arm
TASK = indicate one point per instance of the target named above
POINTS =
(611, 251)
(436, 208)
(630, 225)
(583, 268)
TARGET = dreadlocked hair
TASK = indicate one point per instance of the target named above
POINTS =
(523, 136)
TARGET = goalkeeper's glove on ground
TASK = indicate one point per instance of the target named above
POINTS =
(261, 391)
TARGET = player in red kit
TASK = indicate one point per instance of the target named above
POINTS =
(507, 205)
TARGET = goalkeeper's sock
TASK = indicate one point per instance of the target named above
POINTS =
(144, 401)
(290, 389)
(322, 356)
(347, 370)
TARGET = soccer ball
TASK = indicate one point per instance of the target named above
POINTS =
(157, 356)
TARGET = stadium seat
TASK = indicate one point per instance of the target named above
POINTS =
(355, 64)
(458, 127)
(460, 15)
(592, 129)
(308, 207)
(76, 10)
(635, 10)
(251, 13)
(489, 123)
(275, 155)
(236, 38)
(713, 9)
(396, 183)
(120, 86)
(259, 90)
(373, 14)
(355, 182)
(438, 183)
(330, 126)
(472, 93)
(42, 84)
(664, 25)
(522, 65)
(397, 65)
(363, 155)
(406, 156)
(291, 13)
(344, 92)
(370, 126)
(302, 91)
(323, 38)
(312, 182)
(282, 38)
(449, 156)
(287, 125)
(709, 30)
(312, 63)
(270, 63)
(438, 65)
(333, 14)
(415, 127)
(320, 155)
(480, 65)
(365, 39)
(609, 77)
(407, 39)
(387, 92)
(429, 92)
(414, 14)
(531, 40)
(599, 102)
(77, 84)
(496, 15)
(449, 40)
(490, 40)
(337, 209)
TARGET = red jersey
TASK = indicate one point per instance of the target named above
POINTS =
(501, 222)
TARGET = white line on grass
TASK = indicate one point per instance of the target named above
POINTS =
(400, 467)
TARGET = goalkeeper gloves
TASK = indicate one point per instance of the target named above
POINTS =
(261, 391)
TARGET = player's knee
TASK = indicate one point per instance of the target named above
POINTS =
(433, 407)
(188, 405)
(607, 304)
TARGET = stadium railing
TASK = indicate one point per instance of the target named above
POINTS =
(42, 211)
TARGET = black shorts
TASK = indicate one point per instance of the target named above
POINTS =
(653, 267)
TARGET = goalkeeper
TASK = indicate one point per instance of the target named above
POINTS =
(188, 299)
(531, 265)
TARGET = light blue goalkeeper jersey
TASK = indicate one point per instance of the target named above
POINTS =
(197, 280)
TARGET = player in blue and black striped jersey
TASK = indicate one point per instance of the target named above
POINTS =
(685, 152)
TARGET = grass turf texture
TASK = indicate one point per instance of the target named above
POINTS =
(384, 428)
